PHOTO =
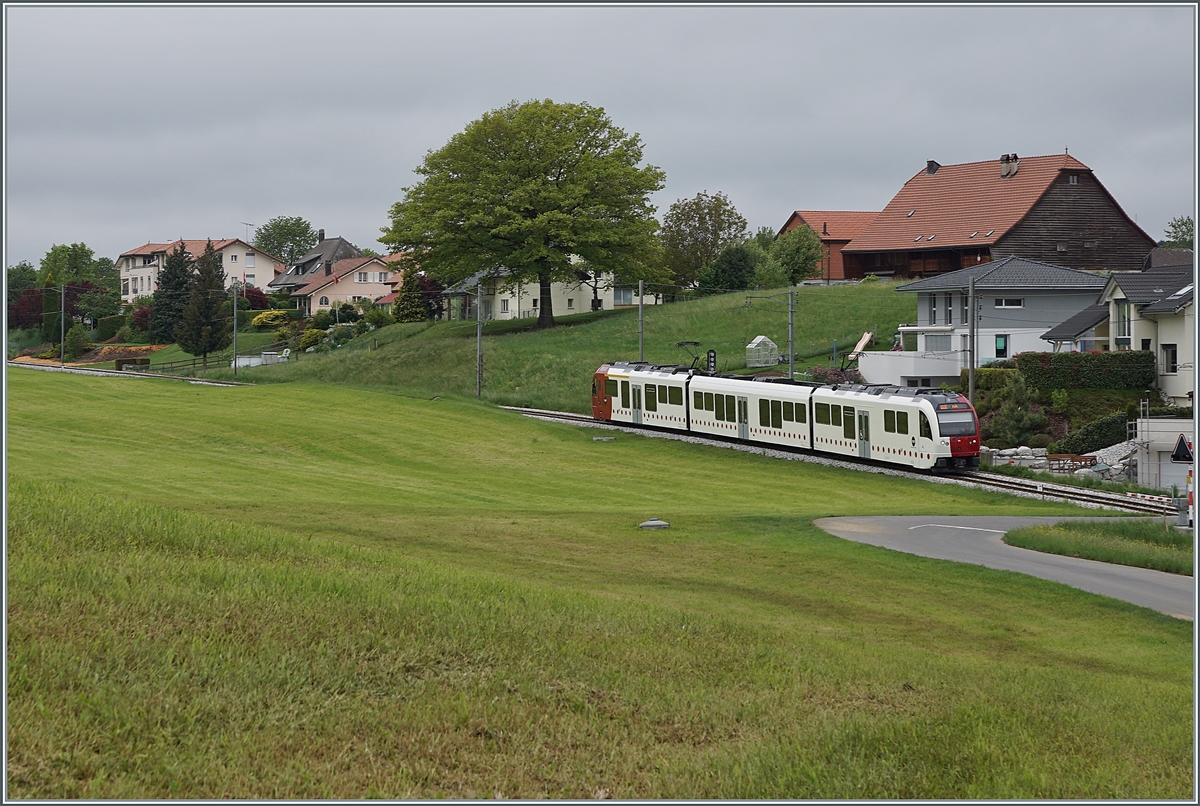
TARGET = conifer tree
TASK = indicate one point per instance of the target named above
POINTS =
(174, 286)
(205, 325)
(1016, 421)
(51, 304)
(410, 303)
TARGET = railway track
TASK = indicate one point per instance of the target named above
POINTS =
(992, 481)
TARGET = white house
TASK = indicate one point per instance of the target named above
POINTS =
(503, 299)
(241, 261)
(1016, 301)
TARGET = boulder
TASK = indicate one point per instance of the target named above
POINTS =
(1024, 450)
(1039, 451)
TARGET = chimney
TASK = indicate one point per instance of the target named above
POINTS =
(931, 167)
(824, 227)
(1003, 166)
(1013, 164)
(328, 266)
(320, 235)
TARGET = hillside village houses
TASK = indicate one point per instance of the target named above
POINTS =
(241, 261)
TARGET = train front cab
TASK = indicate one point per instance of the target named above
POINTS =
(958, 433)
(604, 390)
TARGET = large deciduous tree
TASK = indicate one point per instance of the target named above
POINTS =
(286, 237)
(522, 190)
(19, 278)
(695, 232)
(1181, 233)
(171, 296)
(205, 325)
(799, 253)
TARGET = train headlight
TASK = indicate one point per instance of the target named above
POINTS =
(946, 443)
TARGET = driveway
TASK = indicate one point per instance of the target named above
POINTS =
(977, 540)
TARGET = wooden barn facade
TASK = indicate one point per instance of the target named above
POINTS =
(948, 217)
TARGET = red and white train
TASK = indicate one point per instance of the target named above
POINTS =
(927, 429)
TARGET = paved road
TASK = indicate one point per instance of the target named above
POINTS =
(977, 540)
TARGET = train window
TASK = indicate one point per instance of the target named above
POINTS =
(902, 422)
(594, 387)
(651, 397)
(731, 408)
(610, 388)
(889, 421)
(776, 414)
(848, 422)
(708, 401)
(835, 415)
(789, 411)
(720, 407)
(764, 413)
(801, 413)
(926, 431)
(698, 401)
(675, 395)
(624, 394)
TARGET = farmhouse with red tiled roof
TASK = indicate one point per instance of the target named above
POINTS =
(948, 217)
(835, 228)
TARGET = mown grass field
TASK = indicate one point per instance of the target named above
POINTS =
(304, 590)
(525, 367)
(1145, 544)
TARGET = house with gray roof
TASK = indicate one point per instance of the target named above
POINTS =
(327, 252)
(1016, 301)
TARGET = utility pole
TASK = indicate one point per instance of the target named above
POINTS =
(478, 340)
(971, 341)
(641, 325)
(792, 334)
(233, 286)
(62, 324)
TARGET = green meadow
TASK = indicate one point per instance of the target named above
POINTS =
(553, 368)
(318, 590)
(1155, 544)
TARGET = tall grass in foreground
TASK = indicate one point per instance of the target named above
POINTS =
(1145, 544)
(159, 654)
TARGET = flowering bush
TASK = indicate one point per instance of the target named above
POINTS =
(831, 375)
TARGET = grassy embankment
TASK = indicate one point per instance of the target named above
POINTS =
(552, 369)
(310, 591)
(1146, 544)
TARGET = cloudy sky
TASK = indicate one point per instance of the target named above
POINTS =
(133, 124)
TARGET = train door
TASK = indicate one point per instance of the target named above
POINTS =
(743, 418)
(924, 439)
(637, 404)
(864, 434)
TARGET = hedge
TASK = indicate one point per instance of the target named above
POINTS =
(107, 326)
(1095, 435)
(986, 378)
(1127, 369)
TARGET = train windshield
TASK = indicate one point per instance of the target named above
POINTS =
(956, 423)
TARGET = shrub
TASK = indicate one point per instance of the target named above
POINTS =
(1060, 400)
(49, 354)
(141, 317)
(986, 378)
(108, 326)
(76, 342)
(360, 327)
(348, 313)
(1128, 369)
(871, 278)
(831, 375)
(124, 335)
(378, 317)
(310, 338)
(1095, 435)
(342, 335)
(257, 299)
(268, 320)
(1016, 421)
(322, 320)
(1040, 441)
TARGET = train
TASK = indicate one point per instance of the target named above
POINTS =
(917, 428)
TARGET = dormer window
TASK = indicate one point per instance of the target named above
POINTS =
(1073, 179)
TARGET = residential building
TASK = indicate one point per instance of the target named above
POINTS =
(327, 252)
(351, 280)
(1016, 300)
(835, 228)
(507, 300)
(1051, 209)
(241, 261)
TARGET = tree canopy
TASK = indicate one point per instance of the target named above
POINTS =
(286, 237)
(695, 232)
(523, 190)
(1180, 233)
(799, 253)
(204, 326)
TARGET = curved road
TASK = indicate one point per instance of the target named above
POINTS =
(977, 540)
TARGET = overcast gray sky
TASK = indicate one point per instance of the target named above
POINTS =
(133, 124)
